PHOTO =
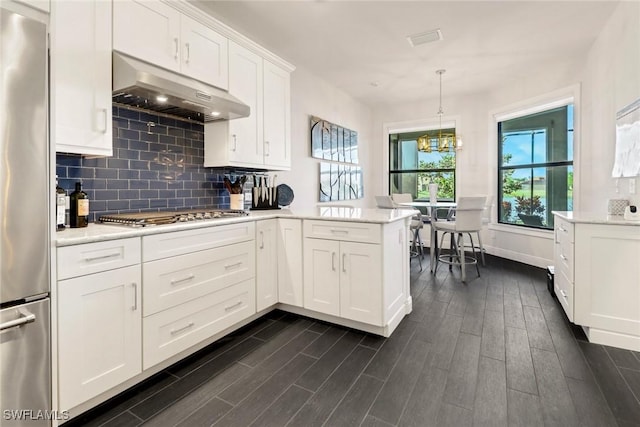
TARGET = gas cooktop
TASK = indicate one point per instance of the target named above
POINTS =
(143, 219)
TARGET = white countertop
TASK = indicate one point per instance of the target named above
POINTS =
(594, 218)
(97, 232)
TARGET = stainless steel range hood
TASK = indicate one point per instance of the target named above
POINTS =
(140, 84)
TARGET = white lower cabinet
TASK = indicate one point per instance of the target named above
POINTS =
(99, 333)
(196, 283)
(344, 273)
(266, 263)
(290, 289)
(176, 329)
(563, 262)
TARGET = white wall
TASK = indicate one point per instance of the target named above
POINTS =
(311, 96)
(609, 77)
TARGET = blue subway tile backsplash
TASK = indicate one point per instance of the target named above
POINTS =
(153, 168)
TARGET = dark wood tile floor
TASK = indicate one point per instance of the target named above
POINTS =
(496, 351)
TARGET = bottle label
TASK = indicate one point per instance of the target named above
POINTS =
(83, 207)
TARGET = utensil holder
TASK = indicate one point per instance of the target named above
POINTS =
(236, 201)
(266, 200)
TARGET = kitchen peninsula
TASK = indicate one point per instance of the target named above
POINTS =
(150, 296)
(597, 276)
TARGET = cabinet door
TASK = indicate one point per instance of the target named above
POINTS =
(245, 82)
(290, 261)
(148, 30)
(204, 53)
(266, 264)
(81, 77)
(277, 117)
(321, 276)
(360, 282)
(606, 290)
(99, 333)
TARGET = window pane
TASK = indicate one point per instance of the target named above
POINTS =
(535, 172)
(417, 184)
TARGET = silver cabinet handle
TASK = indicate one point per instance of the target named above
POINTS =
(135, 296)
(344, 263)
(95, 258)
(335, 230)
(228, 266)
(231, 307)
(175, 41)
(187, 326)
(267, 152)
(186, 45)
(184, 279)
(25, 317)
(262, 240)
(235, 142)
(103, 113)
(333, 261)
(564, 258)
(561, 228)
(564, 294)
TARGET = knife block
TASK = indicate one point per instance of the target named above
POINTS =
(264, 201)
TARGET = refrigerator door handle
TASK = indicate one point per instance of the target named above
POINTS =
(25, 317)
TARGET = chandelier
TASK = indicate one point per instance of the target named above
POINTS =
(442, 140)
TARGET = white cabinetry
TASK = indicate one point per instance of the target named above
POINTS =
(196, 284)
(157, 33)
(99, 318)
(597, 277)
(42, 5)
(343, 271)
(290, 278)
(261, 140)
(81, 77)
(563, 261)
(266, 263)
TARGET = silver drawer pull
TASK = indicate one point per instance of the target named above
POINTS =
(561, 228)
(135, 296)
(564, 294)
(228, 266)
(95, 258)
(564, 258)
(24, 318)
(184, 279)
(231, 307)
(187, 326)
(335, 230)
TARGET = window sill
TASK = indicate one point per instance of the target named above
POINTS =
(514, 229)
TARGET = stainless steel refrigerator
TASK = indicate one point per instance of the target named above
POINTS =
(25, 393)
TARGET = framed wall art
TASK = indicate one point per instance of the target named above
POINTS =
(332, 142)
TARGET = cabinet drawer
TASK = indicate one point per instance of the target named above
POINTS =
(181, 242)
(171, 331)
(564, 228)
(564, 257)
(80, 260)
(346, 231)
(564, 291)
(186, 277)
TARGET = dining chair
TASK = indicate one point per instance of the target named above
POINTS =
(468, 219)
(417, 250)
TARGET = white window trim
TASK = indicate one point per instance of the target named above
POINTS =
(557, 98)
(431, 123)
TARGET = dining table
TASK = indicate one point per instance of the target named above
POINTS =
(430, 208)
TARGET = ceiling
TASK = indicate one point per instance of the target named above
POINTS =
(361, 47)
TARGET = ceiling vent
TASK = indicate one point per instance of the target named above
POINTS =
(426, 37)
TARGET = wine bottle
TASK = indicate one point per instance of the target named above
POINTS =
(79, 209)
(61, 197)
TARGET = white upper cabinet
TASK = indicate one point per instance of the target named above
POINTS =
(161, 35)
(81, 77)
(277, 116)
(204, 53)
(261, 140)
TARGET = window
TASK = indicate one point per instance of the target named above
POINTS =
(412, 170)
(535, 167)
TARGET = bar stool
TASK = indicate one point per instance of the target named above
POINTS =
(468, 219)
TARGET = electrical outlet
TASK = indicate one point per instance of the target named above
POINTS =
(632, 186)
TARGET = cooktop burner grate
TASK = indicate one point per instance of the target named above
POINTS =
(143, 219)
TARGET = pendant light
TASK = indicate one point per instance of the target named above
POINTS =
(440, 141)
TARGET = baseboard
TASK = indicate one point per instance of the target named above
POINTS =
(518, 256)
